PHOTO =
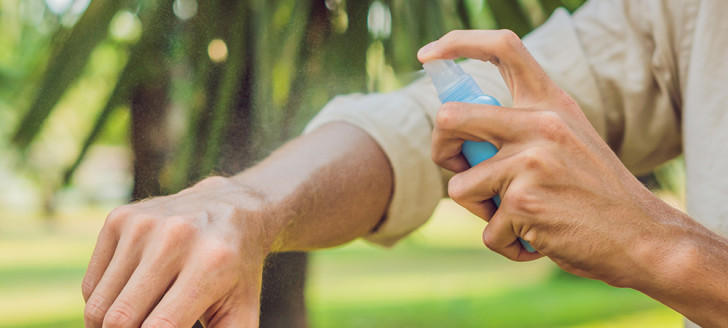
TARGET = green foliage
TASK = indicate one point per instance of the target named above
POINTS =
(67, 60)
(130, 75)
(509, 14)
(284, 60)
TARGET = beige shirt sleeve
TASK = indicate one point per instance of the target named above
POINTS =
(400, 122)
(601, 56)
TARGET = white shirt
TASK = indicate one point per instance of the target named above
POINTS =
(651, 76)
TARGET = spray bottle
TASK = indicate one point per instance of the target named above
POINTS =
(453, 84)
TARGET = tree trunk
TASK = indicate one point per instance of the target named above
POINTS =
(150, 102)
(282, 303)
(149, 140)
(282, 298)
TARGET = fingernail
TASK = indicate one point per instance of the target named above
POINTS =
(426, 48)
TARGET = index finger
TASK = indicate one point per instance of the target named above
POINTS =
(524, 77)
(457, 122)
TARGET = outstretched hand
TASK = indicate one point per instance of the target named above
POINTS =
(562, 187)
(170, 261)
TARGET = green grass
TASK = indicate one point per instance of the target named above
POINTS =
(463, 288)
(441, 276)
(557, 304)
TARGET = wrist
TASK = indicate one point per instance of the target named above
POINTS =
(248, 209)
(667, 255)
(685, 271)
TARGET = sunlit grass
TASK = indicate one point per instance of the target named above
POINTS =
(441, 276)
(658, 317)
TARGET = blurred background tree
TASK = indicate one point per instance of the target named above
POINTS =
(195, 88)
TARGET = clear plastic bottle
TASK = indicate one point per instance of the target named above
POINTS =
(453, 84)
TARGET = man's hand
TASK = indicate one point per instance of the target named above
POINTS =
(562, 188)
(169, 261)
(198, 254)
(566, 192)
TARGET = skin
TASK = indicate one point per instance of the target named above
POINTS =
(168, 261)
(566, 192)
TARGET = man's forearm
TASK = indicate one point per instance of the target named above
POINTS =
(198, 254)
(686, 267)
(321, 189)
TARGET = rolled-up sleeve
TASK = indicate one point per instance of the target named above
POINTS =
(617, 59)
(400, 125)
(609, 73)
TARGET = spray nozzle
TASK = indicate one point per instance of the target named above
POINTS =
(444, 73)
(450, 80)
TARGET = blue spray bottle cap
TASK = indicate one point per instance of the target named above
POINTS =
(453, 84)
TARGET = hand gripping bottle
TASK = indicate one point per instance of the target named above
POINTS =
(453, 84)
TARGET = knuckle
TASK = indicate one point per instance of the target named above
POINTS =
(509, 38)
(533, 160)
(222, 254)
(489, 244)
(95, 311)
(160, 320)
(179, 227)
(120, 315)
(493, 245)
(118, 211)
(437, 155)
(456, 188)
(551, 126)
(87, 287)
(454, 34)
(118, 215)
(443, 162)
(220, 257)
(448, 42)
(523, 202)
(518, 200)
(448, 116)
(438, 159)
(543, 163)
(175, 232)
(142, 224)
(138, 229)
